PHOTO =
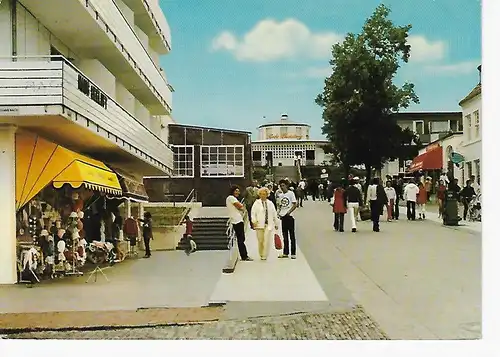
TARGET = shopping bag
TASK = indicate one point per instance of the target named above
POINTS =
(364, 213)
(277, 242)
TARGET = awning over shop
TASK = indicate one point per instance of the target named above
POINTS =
(132, 187)
(429, 160)
(40, 162)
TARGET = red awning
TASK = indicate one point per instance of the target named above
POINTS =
(430, 160)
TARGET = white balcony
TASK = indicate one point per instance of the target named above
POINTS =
(97, 29)
(53, 98)
(149, 17)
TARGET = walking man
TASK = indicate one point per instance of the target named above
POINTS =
(467, 194)
(354, 200)
(236, 212)
(410, 196)
(360, 188)
(287, 203)
(378, 200)
(391, 197)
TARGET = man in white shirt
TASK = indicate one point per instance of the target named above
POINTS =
(236, 211)
(287, 203)
(410, 196)
(360, 188)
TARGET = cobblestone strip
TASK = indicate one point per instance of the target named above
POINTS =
(352, 325)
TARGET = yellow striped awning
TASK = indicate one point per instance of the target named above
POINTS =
(40, 162)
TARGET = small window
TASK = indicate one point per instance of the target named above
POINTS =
(257, 156)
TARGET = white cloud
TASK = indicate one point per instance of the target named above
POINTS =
(270, 40)
(424, 50)
(465, 67)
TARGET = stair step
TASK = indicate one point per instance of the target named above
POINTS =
(206, 248)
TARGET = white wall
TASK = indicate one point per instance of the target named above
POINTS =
(125, 98)
(275, 131)
(96, 71)
(5, 29)
(142, 37)
(154, 55)
(33, 38)
(127, 12)
(142, 113)
(468, 109)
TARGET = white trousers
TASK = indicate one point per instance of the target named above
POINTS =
(352, 207)
(264, 238)
(421, 208)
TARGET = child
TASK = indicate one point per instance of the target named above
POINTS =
(339, 208)
(421, 200)
(188, 235)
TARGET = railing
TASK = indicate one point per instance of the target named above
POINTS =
(190, 200)
(132, 43)
(53, 80)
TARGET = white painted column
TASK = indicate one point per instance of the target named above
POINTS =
(8, 268)
(128, 209)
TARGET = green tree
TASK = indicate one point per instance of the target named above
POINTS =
(360, 95)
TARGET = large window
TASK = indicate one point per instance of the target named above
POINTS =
(419, 127)
(183, 160)
(468, 123)
(222, 161)
(283, 131)
(439, 126)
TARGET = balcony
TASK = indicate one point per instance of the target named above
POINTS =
(150, 18)
(52, 97)
(97, 29)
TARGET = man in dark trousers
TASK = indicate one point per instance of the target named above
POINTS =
(147, 232)
(398, 186)
(466, 195)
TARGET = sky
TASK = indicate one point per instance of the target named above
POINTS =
(237, 64)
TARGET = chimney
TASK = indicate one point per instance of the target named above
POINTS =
(479, 69)
(284, 116)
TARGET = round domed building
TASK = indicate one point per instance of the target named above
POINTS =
(284, 142)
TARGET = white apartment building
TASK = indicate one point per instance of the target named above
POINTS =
(471, 147)
(82, 77)
(280, 143)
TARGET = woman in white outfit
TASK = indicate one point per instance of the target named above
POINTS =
(265, 221)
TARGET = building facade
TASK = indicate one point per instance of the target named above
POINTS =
(281, 143)
(80, 79)
(206, 160)
(429, 126)
(471, 147)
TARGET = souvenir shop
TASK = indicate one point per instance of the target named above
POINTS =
(67, 211)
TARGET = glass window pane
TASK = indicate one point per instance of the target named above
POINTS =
(204, 150)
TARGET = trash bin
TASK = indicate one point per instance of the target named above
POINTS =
(450, 209)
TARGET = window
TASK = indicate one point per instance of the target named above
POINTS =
(269, 132)
(469, 170)
(257, 156)
(468, 126)
(477, 164)
(183, 160)
(419, 127)
(298, 131)
(439, 126)
(222, 161)
(283, 131)
(477, 125)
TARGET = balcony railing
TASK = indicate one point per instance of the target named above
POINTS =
(53, 80)
(131, 44)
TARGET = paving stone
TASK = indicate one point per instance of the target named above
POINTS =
(354, 324)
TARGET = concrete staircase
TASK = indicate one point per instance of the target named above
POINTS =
(290, 172)
(209, 233)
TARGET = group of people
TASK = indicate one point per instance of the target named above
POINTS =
(264, 208)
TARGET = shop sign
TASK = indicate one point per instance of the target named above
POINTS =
(285, 136)
(90, 90)
(9, 110)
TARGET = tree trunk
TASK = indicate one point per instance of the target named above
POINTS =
(368, 169)
(347, 170)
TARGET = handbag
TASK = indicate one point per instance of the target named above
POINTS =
(365, 213)
(277, 242)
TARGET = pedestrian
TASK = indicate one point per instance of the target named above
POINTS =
(251, 194)
(354, 201)
(378, 199)
(422, 199)
(339, 208)
(265, 221)
(410, 196)
(440, 193)
(398, 187)
(188, 235)
(236, 213)
(287, 203)
(358, 185)
(467, 194)
(147, 232)
(391, 200)
(428, 188)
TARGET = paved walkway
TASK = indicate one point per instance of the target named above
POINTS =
(418, 280)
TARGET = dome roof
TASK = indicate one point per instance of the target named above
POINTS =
(284, 121)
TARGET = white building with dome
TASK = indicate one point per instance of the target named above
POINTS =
(282, 142)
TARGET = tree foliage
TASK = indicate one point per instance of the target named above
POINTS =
(360, 95)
